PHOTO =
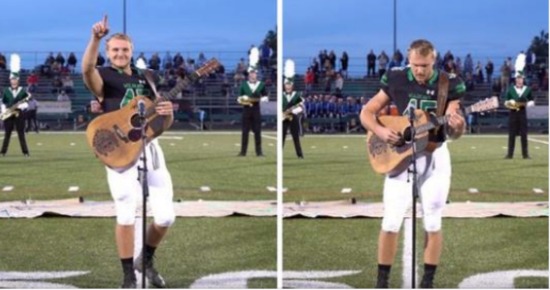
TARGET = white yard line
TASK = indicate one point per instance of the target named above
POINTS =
(269, 137)
(537, 141)
(407, 256)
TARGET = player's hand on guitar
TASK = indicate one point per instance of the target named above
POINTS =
(388, 135)
(95, 107)
(456, 121)
(164, 108)
(101, 28)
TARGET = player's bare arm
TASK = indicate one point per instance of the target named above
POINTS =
(456, 123)
(368, 118)
(91, 76)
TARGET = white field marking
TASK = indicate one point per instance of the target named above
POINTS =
(72, 143)
(270, 144)
(205, 188)
(301, 284)
(7, 188)
(285, 189)
(473, 190)
(235, 280)
(38, 144)
(537, 141)
(73, 188)
(499, 279)
(346, 190)
(172, 144)
(504, 147)
(538, 190)
(345, 147)
(407, 256)
(18, 280)
(313, 147)
(237, 144)
(473, 147)
(269, 137)
(204, 144)
(171, 137)
(537, 147)
(271, 188)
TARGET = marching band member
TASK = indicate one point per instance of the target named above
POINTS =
(293, 106)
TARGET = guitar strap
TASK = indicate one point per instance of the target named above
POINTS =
(442, 91)
(149, 77)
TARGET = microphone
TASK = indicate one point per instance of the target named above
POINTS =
(412, 108)
(141, 108)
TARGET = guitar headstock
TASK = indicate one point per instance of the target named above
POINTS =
(208, 67)
(484, 105)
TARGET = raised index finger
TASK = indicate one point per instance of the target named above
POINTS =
(105, 20)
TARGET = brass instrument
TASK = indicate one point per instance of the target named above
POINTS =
(247, 101)
(288, 115)
(13, 110)
(513, 105)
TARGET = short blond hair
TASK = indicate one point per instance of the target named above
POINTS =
(422, 47)
(120, 36)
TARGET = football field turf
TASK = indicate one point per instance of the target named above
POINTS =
(342, 252)
(81, 251)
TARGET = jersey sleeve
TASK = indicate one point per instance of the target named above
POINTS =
(385, 82)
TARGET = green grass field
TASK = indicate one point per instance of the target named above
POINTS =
(472, 246)
(245, 246)
(193, 249)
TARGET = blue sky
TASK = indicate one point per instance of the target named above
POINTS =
(486, 28)
(155, 25)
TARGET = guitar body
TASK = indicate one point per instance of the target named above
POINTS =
(115, 137)
(389, 159)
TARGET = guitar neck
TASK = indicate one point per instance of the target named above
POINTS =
(439, 121)
(180, 85)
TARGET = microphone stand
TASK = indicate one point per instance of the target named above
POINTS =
(142, 178)
(413, 171)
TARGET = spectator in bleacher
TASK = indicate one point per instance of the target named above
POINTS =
(371, 64)
(2, 61)
(316, 70)
(142, 57)
(154, 62)
(49, 60)
(344, 61)
(489, 69)
(469, 82)
(518, 97)
(60, 59)
(167, 61)
(68, 84)
(478, 73)
(448, 56)
(309, 80)
(382, 63)
(265, 54)
(458, 66)
(32, 81)
(339, 85)
(398, 57)
(322, 58)
(505, 73)
(329, 77)
(449, 66)
(240, 70)
(57, 85)
(178, 60)
(201, 60)
(100, 60)
(71, 62)
(468, 65)
(62, 96)
(332, 59)
(30, 115)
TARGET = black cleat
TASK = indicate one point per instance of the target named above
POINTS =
(241, 155)
(508, 157)
(526, 157)
(426, 284)
(129, 282)
(150, 272)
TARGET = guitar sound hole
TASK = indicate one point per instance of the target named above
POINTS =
(134, 135)
(407, 135)
(135, 121)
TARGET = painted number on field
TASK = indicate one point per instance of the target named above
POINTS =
(35, 279)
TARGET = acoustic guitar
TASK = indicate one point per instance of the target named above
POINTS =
(116, 137)
(391, 159)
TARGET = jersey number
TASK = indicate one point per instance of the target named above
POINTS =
(425, 105)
